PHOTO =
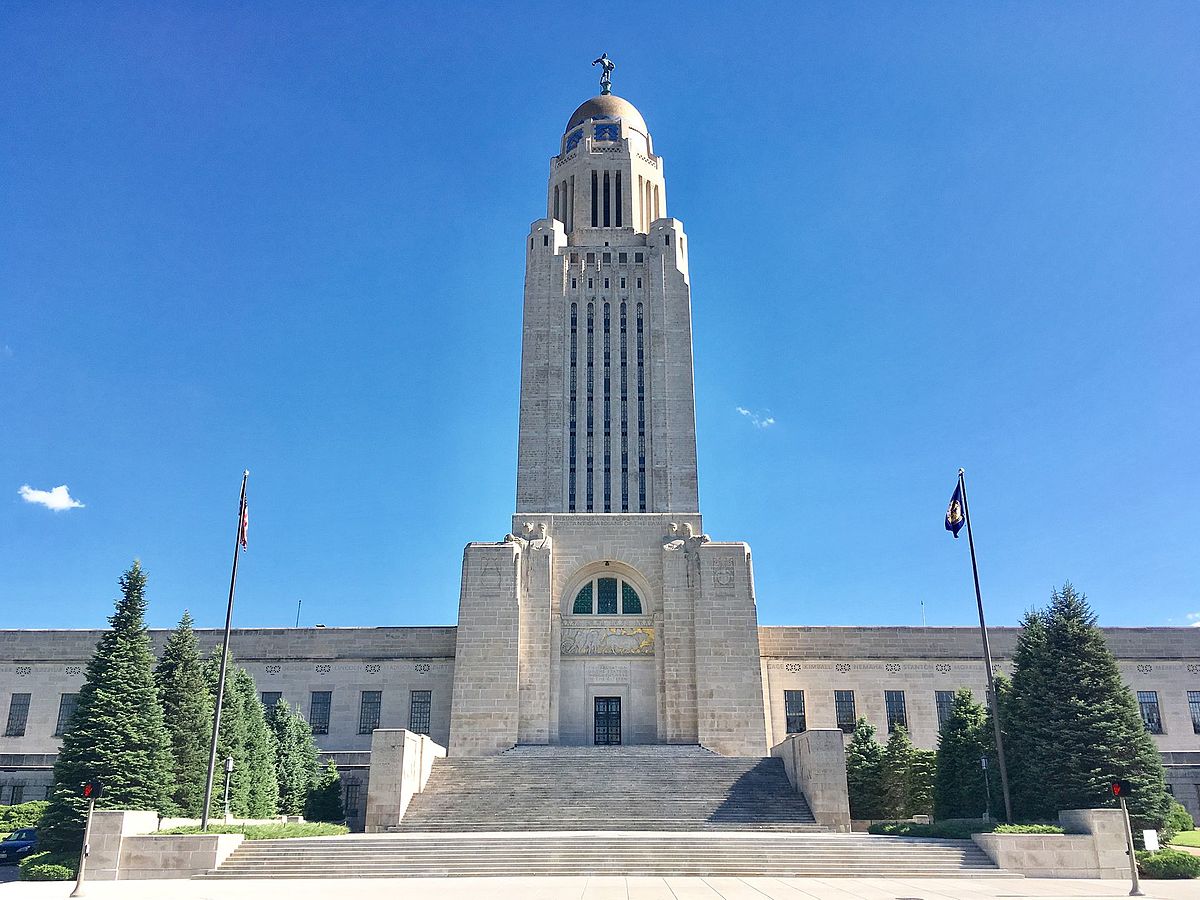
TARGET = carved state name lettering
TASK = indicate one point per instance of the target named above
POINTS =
(607, 641)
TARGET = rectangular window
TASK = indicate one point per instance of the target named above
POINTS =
(18, 715)
(897, 713)
(368, 711)
(1194, 706)
(66, 709)
(1151, 717)
(606, 596)
(607, 258)
(843, 703)
(622, 258)
(639, 284)
(270, 699)
(353, 792)
(622, 284)
(638, 258)
(17, 795)
(793, 711)
(945, 702)
(419, 704)
(318, 711)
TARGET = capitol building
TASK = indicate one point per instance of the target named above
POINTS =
(604, 613)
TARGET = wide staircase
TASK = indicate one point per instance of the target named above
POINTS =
(629, 788)
(606, 811)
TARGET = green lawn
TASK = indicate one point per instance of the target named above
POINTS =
(268, 832)
(1187, 838)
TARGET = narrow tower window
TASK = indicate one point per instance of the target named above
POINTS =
(595, 201)
(641, 405)
(607, 200)
(571, 205)
(572, 429)
(618, 199)
(557, 212)
(591, 397)
(624, 413)
(607, 410)
(642, 202)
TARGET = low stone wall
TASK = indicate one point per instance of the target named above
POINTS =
(1093, 848)
(815, 762)
(400, 765)
(123, 847)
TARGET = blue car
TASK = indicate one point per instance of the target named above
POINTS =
(17, 846)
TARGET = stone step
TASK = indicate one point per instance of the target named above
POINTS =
(604, 853)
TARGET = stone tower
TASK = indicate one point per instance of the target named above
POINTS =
(605, 615)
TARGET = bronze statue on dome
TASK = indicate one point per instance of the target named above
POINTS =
(606, 75)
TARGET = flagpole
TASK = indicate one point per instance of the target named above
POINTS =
(993, 693)
(212, 750)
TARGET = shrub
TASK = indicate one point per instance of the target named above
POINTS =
(268, 832)
(1178, 819)
(1168, 864)
(23, 815)
(49, 866)
(958, 829)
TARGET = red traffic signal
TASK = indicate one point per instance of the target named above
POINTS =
(92, 790)
(1120, 788)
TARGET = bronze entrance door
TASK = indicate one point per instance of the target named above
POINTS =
(607, 728)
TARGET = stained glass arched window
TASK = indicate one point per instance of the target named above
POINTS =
(607, 595)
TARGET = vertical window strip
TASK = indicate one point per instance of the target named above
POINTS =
(571, 205)
(944, 700)
(591, 397)
(641, 202)
(607, 199)
(595, 200)
(897, 713)
(1194, 708)
(419, 705)
(617, 197)
(1151, 715)
(318, 711)
(368, 711)
(641, 409)
(572, 426)
(556, 210)
(66, 709)
(607, 409)
(793, 711)
(18, 715)
(624, 411)
(843, 704)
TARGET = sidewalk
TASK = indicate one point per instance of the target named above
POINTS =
(580, 888)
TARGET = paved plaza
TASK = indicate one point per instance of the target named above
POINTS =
(584, 888)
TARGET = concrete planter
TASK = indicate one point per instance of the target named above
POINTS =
(1095, 848)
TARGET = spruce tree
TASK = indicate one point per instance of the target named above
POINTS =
(117, 733)
(295, 757)
(897, 772)
(919, 800)
(959, 791)
(1085, 725)
(864, 772)
(262, 798)
(187, 711)
(231, 740)
(325, 799)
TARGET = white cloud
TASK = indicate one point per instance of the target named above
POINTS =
(1194, 618)
(757, 419)
(58, 499)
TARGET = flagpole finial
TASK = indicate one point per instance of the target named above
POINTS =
(246, 472)
(961, 471)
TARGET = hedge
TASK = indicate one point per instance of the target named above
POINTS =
(23, 815)
(47, 866)
(273, 831)
(1168, 864)
(960, 829)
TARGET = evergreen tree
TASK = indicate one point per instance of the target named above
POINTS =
(864, 772)
(325, 799)
(262, 798)
(897, 772)
(295, 757)
(187, 712)
(117, 733)
(231, 740)
(959, 791)
(1085, 728)
(919, 801)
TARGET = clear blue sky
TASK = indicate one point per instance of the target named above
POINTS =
(288, 237)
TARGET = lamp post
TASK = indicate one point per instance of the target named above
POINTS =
(987, 788)
(228, 775)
